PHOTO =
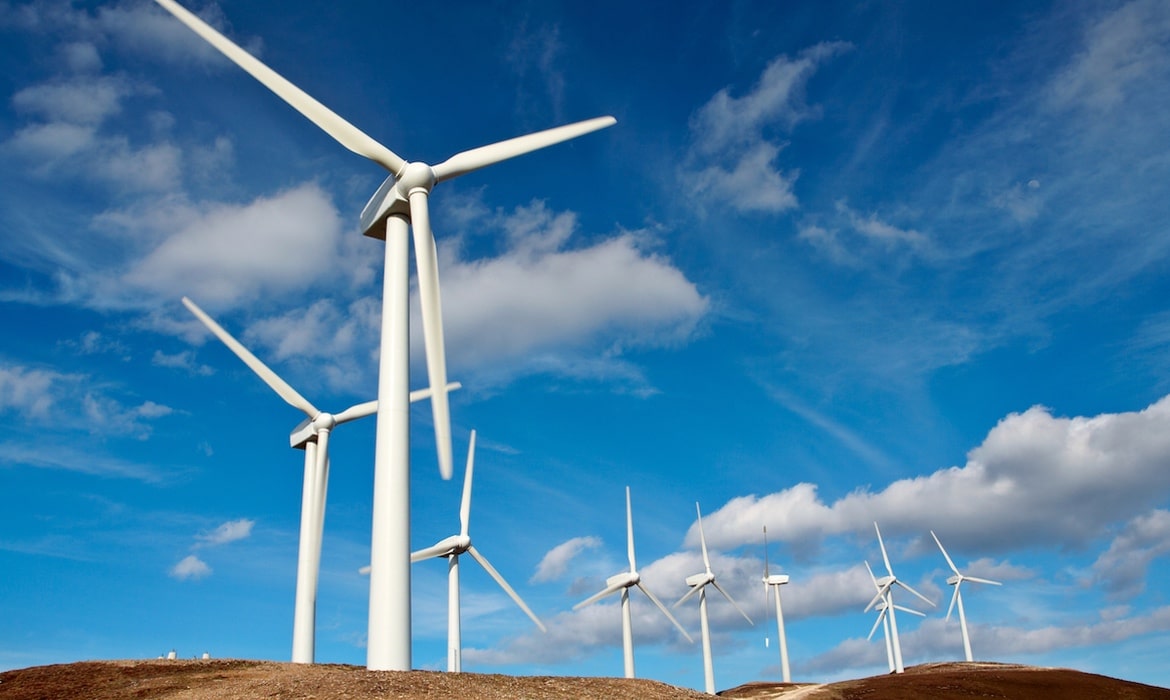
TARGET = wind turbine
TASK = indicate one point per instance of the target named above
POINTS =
(312, 436)
(776, 581)
(451, 547)
(698, 583)
(882, 607)
(398, 207)
(957, 581)
(885, 586)
(623, 582)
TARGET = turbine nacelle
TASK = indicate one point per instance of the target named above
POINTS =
(776, 579)
(955, 580)
(623, 580)
(700, 579)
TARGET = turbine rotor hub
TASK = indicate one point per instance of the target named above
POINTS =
(324, 421)
(416, 176)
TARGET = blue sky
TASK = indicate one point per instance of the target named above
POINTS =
(836, 263)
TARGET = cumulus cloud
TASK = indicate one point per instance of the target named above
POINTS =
(1036, 479)
(733, 149)
(190, 567)
(554, 563)
(540, 297)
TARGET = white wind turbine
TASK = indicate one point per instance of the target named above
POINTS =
(882, 617)
(776, 581)
(957, 581)
(885, 586)
(623, 582)
(312, 436)
(398, 207)
(698, 583)
(451, 547)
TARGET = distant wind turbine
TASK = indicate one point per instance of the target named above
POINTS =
(400, 207)
(885, 587)
(884, 620)
(623, 582)
(451, 547)
(776, 581)
(312, 436)
(698, 583)
(957, 597)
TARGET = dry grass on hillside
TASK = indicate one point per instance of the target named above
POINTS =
(239, 680)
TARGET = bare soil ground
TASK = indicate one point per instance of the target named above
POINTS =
(227, 679)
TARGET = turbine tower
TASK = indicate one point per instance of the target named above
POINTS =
(957, 597)
(623, 582)
(312, 436)
(776, 581)
(882, 617)
(451, 547)
(885, 586)
(398, 208)
(698, 583)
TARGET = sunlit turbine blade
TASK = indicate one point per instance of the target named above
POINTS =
(951, 607)
(270, 378)
(465, 506)
(504, 584)
(881, 616)
(666, 612)
(871, 576)
(944, 553)
(881, 544)
(912, 611)
(438, 549)
(599, 595)
(342, 131)
(687, 596)
(369, 408)
(982, 580)
(476, 158)
(703, 538)
(732, 601)
(765, 557)
(630, 531)
(881, 595)
(907, 587)
(432, 320)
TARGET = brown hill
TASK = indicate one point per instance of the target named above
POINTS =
(239, 680)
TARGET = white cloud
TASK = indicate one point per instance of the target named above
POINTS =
(52, 456)
(732, 157)
(191, 567)
(1036, 479)
(88, 101)
(1122, 568)
(230, 531)
(27, 390)
(556, 561)
(538, 298)
(1123, 50)
(107, 416)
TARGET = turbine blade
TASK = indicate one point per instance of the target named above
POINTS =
(871, 576)
(342, 131)
(703, 538)
(881, 616)
(881, 544)
(944, 551)
(465, 506)
(599, 595)
(630, 531)
(951, 607)
(281, 387)
(881, 595)
(504, 584)
(911, 611)
(666, 612)
(732, 601)
(765, 556)
(907, 587)
(432, 318)
(687, 595)
(438, 549)
(982, 580)
(369, 408)
(476, 158)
